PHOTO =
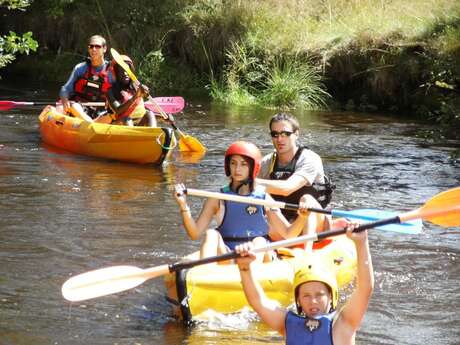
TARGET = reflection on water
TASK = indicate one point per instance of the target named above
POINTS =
(65, 214)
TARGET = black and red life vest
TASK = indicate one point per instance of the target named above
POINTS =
(322, 192)
(93, 86)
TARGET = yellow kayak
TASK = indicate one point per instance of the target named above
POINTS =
(202, 290)
(129, 144)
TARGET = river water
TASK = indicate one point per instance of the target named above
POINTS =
(63, 214)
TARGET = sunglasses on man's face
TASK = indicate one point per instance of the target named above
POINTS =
(282, 134)
(92, 46)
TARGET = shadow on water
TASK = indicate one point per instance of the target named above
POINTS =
(66, 214)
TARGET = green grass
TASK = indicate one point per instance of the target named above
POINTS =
(393, 54)
(291, 84)
(258, 68)
(316, 25)
(279, 82)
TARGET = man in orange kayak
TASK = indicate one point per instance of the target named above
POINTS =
(89, 81)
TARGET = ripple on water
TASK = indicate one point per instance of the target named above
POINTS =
(66, 214)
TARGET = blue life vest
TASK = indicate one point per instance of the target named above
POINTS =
(309, 331)
(243, 222)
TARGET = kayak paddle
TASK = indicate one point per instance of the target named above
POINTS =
(171, 105)
(411, 227)
(7, 105)
(186, 142)
(443, 209)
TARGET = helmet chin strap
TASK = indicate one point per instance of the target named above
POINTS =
(246, 182)
(249, 181)
(299, 307)
(302, 313)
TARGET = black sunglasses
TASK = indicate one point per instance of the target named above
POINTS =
(97, 46)
(283, 134)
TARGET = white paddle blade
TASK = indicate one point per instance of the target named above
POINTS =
(102, 282)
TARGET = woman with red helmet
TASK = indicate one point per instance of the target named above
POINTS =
(238, 222)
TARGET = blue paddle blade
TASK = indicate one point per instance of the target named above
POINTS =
(370, 215)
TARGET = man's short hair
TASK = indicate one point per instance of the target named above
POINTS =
(97, 37)
(285, 117)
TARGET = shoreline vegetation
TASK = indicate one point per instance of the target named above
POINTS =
(395, 56)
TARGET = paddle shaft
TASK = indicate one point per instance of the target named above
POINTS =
(443, 209)
(285, 243)
(411, 215)
(115, 279)
(166, 117)
(5, 105)
(253, 201)
(136, 82)
(367, 215)
(170, 105)
(278, 204)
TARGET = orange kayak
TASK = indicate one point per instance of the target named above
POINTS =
(123, 143)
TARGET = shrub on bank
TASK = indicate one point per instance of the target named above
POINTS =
(394, 55)
(369, 55)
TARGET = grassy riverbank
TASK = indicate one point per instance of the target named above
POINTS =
(401, 56)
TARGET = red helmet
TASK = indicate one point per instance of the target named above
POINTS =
(246, 149)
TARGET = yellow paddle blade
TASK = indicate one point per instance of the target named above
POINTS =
(106, 281)
(444, 208)
(189, 156)
(188, 143)
(117, 57)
